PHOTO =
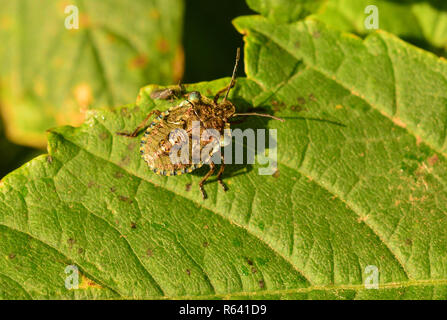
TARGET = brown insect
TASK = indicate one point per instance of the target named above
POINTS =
(157, 142)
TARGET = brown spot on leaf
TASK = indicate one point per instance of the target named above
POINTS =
(188, 272)
(118, 175)
(139, 61)
(205, 244)
(261, 284)
(277, 106)
(131, 146)
(91, 184)
(86, 283)
(124, 111)
(133, 225)
(188, 186)
(125, 160)
(125, 199)
(296, 108)
(433, 160)
(112, 189)
(178, 64)
(163, 45)
(276, 174)
(103, 136)
(12, 256)
(71, 242)
(49, 159)
(149, 253)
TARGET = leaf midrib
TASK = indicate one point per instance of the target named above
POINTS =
(355, 287)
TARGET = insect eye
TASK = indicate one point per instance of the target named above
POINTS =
(194, 96)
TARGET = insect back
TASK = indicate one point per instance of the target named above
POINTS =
(190, 133)
(184, 137)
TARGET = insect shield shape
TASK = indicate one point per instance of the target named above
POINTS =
(189, 134)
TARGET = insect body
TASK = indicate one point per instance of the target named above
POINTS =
(158, 140)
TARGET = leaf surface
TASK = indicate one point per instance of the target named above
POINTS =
(423, 23)
(361, 182)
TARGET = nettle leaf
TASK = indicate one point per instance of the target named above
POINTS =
(285, 10)
(51, 75)
(360, 186)
(423, 23)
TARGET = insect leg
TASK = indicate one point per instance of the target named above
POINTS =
(212, 167)
(219, 174)
(217, 96)
(140, 126)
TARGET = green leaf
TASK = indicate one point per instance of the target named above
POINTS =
(423, 23)
(284, 10)
(360, 182)
(51, 75)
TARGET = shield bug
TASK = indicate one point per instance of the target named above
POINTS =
(160, 136)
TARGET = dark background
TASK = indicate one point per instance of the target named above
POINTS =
(209, 38)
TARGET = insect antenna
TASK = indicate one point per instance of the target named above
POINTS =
(233, 77)
(258, 115)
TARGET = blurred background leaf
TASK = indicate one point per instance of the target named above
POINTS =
(422, 23)
(285, 10)
(51, 75)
